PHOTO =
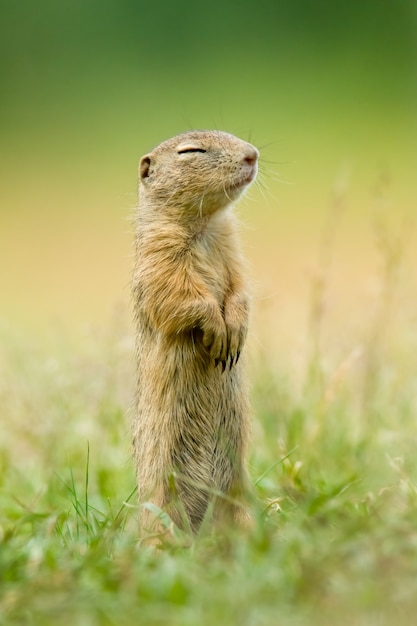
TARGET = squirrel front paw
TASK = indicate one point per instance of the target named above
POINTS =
(223, 338)
(236, 319)
(215, 339)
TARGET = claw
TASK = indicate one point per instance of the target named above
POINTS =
(231, 362)
(237, 356)
(216, 362)
(223, 365)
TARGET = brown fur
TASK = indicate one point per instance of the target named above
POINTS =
(191, 304)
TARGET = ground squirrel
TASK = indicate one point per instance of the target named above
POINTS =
(191, 303)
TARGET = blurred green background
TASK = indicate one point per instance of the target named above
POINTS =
(326, 89)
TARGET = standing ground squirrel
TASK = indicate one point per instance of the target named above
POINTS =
(191, 419)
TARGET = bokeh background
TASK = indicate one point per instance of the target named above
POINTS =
(326, 89)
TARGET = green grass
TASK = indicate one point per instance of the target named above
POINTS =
(333, 465)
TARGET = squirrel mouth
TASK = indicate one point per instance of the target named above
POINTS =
(243, 180)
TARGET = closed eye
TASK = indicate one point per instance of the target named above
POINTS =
(185, 150)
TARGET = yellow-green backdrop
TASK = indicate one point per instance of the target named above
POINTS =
(326, 89)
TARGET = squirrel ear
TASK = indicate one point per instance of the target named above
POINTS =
(144, 166)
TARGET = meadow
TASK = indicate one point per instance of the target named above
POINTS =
(332, 463)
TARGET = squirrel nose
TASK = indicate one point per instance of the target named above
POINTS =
(251, 156)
